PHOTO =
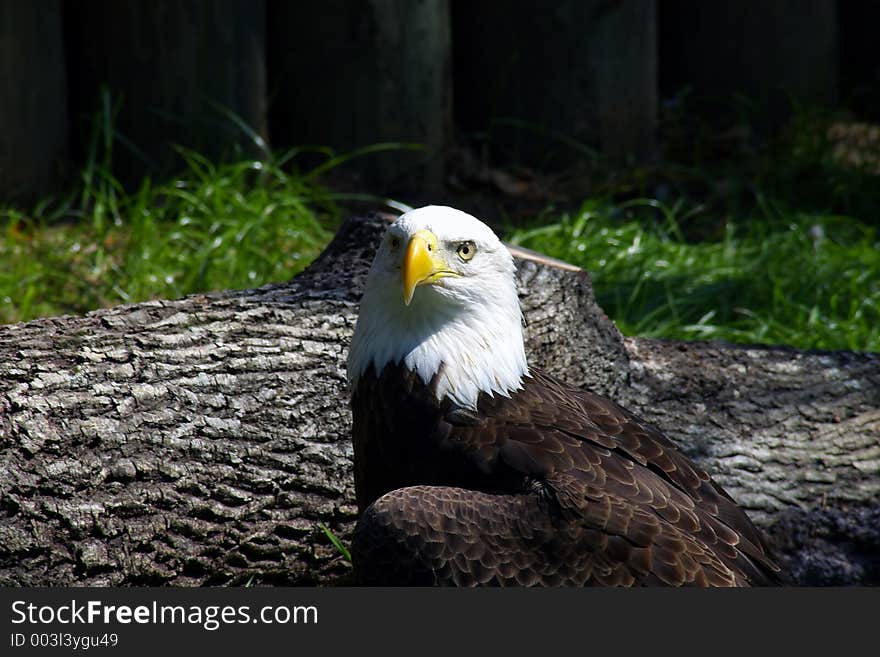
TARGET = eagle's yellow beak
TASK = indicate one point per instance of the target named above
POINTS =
(422, 263)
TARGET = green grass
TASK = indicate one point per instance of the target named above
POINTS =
(340, 547)
(752, 244)
(807, 280)
(212, 227)
(756, 238)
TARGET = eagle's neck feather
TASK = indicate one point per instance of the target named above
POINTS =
(460, 350)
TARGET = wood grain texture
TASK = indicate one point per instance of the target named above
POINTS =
(202, 440)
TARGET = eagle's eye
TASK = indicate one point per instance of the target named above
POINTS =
(466, 250)
(395, 242)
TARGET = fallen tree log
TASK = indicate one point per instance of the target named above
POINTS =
(203, 441)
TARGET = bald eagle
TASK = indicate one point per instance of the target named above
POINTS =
(473, 468)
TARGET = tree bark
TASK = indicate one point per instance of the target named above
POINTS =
(203, 440)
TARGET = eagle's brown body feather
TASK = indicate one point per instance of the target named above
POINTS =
(551, 486)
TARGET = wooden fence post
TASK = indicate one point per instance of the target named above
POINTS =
(543, 76)
(768, 51)
(860, 58)
(352, 73)
(33, 111)
(174, 62)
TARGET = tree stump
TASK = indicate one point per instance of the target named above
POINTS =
(203, 440)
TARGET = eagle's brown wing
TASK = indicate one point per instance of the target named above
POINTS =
(605, 499)
(437, 535)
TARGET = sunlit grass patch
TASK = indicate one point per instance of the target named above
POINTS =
(212, 227)
(812, 281)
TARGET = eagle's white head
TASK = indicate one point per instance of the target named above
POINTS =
(441, 297)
